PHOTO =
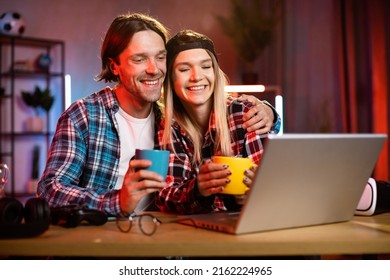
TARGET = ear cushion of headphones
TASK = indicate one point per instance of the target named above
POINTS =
(36, 216)
(11, 211)
(36, 209)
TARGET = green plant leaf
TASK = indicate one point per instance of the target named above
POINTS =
(250, 26)
(39, 98)
(29, 99)
(47, 100)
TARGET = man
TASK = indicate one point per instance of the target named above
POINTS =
(89, 158)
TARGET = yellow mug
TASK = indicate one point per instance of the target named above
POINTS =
(237, 165)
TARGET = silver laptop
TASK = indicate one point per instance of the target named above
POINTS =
(302, 180)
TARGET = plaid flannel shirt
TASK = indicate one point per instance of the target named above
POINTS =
(181, 194)
(83, 161)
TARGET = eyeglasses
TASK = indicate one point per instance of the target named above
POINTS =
(147, 223)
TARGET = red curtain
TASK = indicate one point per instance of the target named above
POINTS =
(365, 62)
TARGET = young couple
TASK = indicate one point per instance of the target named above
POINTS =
(89, 161)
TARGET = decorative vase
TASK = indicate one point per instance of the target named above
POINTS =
(32, 186)
(34, 124)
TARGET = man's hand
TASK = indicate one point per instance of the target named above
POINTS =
(138, 183)
(260, 118)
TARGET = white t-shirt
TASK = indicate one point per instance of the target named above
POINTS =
(133, 134)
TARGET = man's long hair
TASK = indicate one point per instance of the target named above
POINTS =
(119, 35)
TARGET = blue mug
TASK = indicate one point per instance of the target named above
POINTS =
(159, 159)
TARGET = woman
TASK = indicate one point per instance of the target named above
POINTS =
(198, 126)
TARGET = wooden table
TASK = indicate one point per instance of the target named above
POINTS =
(362, 235)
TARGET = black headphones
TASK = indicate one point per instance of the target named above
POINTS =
(36, 216)
(17, 221)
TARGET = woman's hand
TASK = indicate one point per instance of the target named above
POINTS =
(248, 181)
(212, 178)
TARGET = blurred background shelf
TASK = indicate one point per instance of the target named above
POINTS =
(17, 143)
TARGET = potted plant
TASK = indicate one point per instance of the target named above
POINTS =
(39, 99)
(250, 26)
